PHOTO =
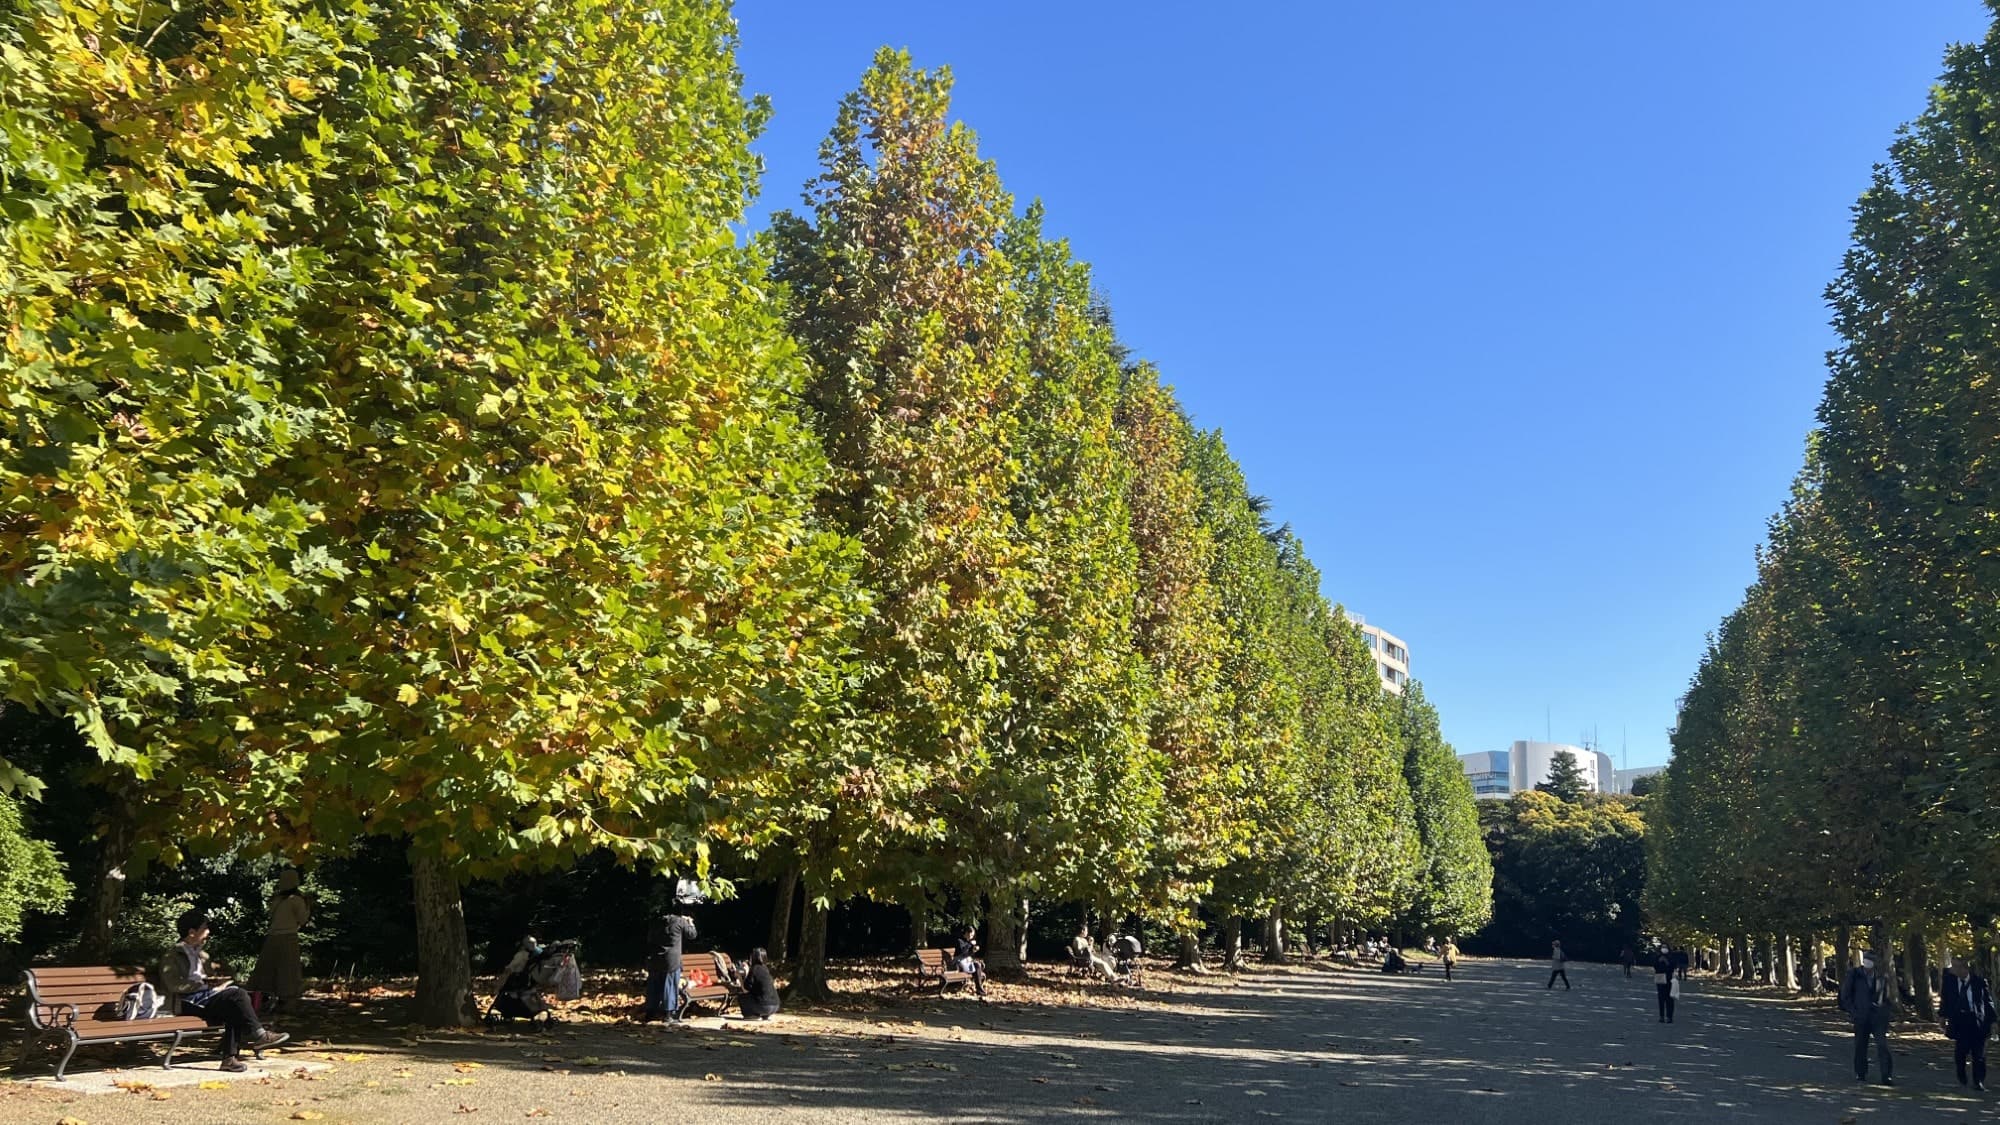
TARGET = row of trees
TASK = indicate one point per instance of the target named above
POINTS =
(398, 443)
(1832, 764)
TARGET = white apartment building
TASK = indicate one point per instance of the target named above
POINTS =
(1392, 656)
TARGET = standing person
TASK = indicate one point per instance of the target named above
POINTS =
(225, 1006)
(1681, 963)
(663, 967)
(1450, 956)
(1868, 998)
(760, 990)
(1558, 965)
(278, 974)
(1626, 958)
(1663, 983)
(1968, 1018)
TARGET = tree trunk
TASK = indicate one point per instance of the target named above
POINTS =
(1190, 957)
(779, 944)
(1812, 964)
(809, 982)
(1746, 966)
(1003, 934)
(1274, 937)
(1843, 954)
(1788, 965)
(1232, 944)
(100, 920)
(444, 961)
(1920, 973)
(1760, 960)
(919, 935)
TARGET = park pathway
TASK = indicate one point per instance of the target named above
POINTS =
(1301, 1044)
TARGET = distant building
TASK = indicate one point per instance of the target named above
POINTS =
(1488, 772)
(1392, 656)
(1622, 779)
(1524, 765)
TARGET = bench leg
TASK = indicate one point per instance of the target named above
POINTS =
(64, 1064)
(172, 1046)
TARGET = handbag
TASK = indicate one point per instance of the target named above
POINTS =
(1674, 989)
(1660, 978)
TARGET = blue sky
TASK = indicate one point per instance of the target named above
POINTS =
(1514, 310)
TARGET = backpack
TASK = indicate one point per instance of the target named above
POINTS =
(140, 1002)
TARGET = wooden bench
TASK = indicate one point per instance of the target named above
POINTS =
(81, 1004)
(935, 965)
(706, 987)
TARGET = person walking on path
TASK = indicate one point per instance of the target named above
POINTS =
(1626, 958)
(1664, 984)
(1967, 1017)
(1868, 998)
(1449, 955)
(1680, 957)
(663, 967)
(1558, 965)
(278, 974)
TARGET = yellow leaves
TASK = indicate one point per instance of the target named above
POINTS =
(212, 1084)
(458, 1081)
(298, 88)
(407, 694)
(307, 1115)
(465, 1067)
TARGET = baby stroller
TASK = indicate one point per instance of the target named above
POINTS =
(533, 970)
(1125, 950)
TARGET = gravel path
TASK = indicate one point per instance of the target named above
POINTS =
(1305, 1045)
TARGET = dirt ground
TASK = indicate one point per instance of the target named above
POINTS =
(1305, 1043)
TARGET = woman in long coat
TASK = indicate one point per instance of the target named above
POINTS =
(278, 973)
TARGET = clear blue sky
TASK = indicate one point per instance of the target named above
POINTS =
(1514, 310)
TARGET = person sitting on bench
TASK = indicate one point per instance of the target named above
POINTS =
(227, 1006)
(1085, 953)
(965, 958)
(1392, 962)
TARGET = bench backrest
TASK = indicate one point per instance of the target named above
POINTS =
(94, 990)
(931, 960)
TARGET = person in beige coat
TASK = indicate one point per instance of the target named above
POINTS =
(278, 973)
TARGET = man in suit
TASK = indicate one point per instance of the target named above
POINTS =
(1868, 998)
(1968, 1019)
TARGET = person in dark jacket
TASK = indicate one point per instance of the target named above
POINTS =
(224, 1006)
(965, 958)
(1663, 983)
(1680, 957)
(1868, 998)
(760, 990)
(1968, 1018)
(663, 966)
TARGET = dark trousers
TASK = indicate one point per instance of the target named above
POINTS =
(229, 1009)
(1666, 992)
(1877, 1030)
(1564, 974)
(1973, 1047)
(1447, 970)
